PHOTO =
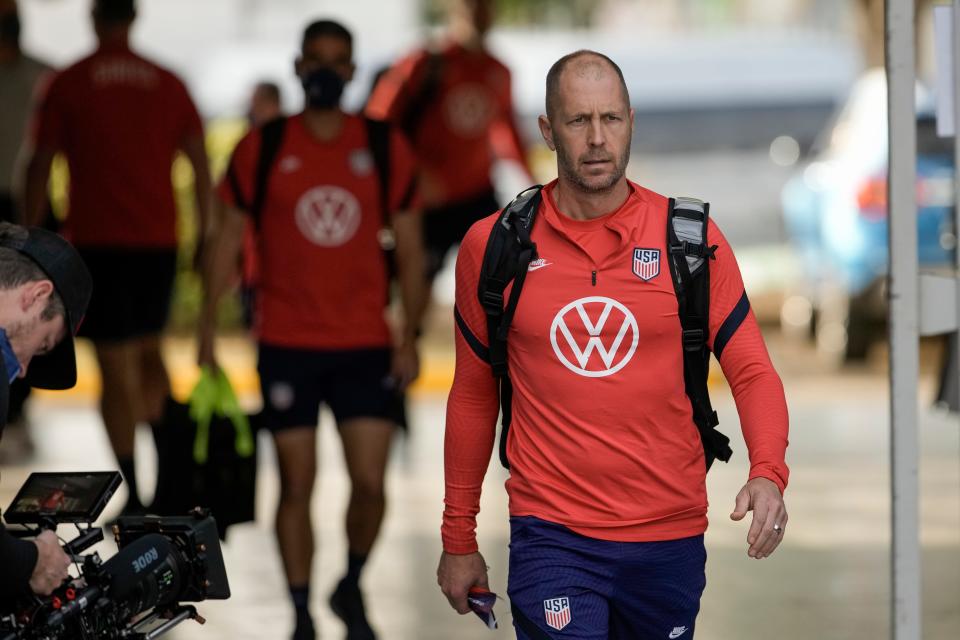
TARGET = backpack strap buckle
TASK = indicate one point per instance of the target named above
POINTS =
(693, 339)
(492, 302)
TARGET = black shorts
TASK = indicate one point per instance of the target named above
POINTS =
(131, 292)
(354, 383)
(445, 226)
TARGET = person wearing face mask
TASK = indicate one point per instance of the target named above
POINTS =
(320, 210)
(44, 291)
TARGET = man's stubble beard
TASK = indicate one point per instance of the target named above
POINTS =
(567, 169)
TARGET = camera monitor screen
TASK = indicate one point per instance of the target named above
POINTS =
(63, 497)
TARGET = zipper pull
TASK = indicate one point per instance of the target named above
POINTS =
(594, 277)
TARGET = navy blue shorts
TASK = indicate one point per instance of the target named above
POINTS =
(131, 292)
(354, 383)
(564, 585)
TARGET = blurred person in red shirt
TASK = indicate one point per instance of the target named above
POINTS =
(119, 119)
(607, 486)
(454, 103)
(265, 105)
(320, 321)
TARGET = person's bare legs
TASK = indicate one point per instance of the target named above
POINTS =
(120, 405)
(154, 380)
(296, 453)
(366, 447)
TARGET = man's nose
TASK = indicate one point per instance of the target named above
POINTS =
(596, 136)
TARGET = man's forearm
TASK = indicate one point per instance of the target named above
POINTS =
(35, 188)
(220, 266)
(412, 279)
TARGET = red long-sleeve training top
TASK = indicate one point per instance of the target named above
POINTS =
(602, 438)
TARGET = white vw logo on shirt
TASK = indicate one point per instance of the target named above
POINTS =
(614, 346)
(328, 216)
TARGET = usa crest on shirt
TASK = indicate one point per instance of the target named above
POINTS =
(646, 263)
(556, 612)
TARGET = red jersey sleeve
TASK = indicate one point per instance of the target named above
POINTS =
(236, 186)
(737, 343)
(473, 406)
(393, 89)
(403, 173)
(504, 135)
(50, 117)
(189, 123)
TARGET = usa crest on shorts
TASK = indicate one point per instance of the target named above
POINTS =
(646, 263)
(556, 612)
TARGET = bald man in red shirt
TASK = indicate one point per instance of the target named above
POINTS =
(607, 489)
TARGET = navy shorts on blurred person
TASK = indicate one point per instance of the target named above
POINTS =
(131, 292)
(564, 585)
(354, 383)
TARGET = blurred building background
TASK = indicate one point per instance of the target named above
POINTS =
(734, 99)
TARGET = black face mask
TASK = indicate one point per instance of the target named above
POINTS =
(9, 28)
(323, 88)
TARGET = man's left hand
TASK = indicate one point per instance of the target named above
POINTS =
(769, 516)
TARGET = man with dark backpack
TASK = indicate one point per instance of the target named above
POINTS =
(587, 310)
(322, 187)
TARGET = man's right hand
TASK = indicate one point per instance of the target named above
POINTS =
(52, 564)
(457, 574)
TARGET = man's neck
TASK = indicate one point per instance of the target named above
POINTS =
(323, 124)
(114, 38)
(582, 205)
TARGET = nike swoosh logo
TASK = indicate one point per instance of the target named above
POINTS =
(534, 267)
(676, 634)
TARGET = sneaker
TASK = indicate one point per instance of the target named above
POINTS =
(347, 603)
(304, 627)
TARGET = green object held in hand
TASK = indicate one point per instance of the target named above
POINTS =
(214, 396)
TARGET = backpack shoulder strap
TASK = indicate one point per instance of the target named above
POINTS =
(689, 261)
(424, 94)
(271, 139)
(378, 139)
(508, 254)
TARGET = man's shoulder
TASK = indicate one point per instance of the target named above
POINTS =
(476, 237)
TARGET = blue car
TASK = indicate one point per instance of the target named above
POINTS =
(835, 213)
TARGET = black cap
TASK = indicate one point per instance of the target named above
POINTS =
(66, 269)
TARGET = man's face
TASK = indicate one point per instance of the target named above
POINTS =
(591, 127)
(330, 52)
(30, 334)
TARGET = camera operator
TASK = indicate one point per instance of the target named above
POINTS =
(44, 291)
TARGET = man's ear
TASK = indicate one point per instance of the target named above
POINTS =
(547, 132)
(35, 294)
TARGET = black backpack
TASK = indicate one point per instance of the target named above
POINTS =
(509, 253)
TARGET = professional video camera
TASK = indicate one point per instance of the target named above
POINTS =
(138, 593)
